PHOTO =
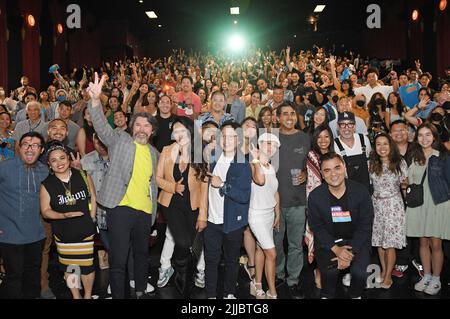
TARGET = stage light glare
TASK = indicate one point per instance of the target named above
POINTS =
(415, 15)
(236, 43)
(442, 5)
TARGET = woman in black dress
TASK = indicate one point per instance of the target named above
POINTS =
(68, 200)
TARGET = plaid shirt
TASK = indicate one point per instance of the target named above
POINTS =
(122, 151)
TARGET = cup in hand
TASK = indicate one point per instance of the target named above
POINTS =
(295, 174)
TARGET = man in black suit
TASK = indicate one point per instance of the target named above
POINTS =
(341, 217)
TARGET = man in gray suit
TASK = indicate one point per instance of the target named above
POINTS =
(128, 192)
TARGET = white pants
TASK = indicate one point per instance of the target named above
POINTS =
(167, 252)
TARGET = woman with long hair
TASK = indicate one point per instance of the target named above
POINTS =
(430, 221)
(138, 98)
(319, 118)
(265, 119)
(322, 143)
(183, 198)
(394, 110)
(84, 141)
(388, 171)
(68, 199)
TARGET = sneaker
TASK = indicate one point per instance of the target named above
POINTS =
(399, 271)
(164, 276)
(433, 288)
(148, 289)
(418, 267)
(296, 293)
(422, 284)
(200, 279)
(109, 289)
(347, 280)
(48, 294)
(230, 296)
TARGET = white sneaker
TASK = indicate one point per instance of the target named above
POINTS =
(422, 284)
(230, 296)
(200, 279)
(164, 276)
(347, 280)
(433, 288)
(149, 287)
(109, 289)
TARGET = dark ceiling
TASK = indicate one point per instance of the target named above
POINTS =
(194, 20)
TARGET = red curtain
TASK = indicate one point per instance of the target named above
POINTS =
(3, 47)
(443, 42)
(58, 15)
(30, 42)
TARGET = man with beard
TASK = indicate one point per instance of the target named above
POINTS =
(128, 191)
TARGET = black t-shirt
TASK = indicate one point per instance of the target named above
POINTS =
(341, 217)
(164, 135)
(70, 230)
(182, 202)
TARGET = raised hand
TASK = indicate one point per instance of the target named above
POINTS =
(95, 89)
(332, 60)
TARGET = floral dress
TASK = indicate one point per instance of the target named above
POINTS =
(389, 225)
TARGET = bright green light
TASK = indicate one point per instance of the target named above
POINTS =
(236, 43)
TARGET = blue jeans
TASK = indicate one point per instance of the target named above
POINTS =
(293, 224)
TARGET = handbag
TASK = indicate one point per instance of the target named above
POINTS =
(414, 193)
(196, 248)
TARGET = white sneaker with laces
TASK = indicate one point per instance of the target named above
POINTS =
(230, 296)
(433, 288)
(347, 280)
(422, 284)
(164, 276)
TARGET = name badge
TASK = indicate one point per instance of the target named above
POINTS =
(339, 215)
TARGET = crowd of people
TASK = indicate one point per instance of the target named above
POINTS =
(265, 150)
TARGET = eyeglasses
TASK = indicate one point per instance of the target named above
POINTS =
(349, 125)
(27, 146)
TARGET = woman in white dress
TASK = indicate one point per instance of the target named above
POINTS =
(264, 214)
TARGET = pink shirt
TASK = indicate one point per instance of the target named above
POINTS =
(195, 100)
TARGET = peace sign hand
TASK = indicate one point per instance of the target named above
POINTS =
(95, 89)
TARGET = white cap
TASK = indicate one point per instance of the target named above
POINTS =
(269, 137)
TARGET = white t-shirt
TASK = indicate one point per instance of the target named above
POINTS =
(356, 149)
(368, 91)
(216, 202)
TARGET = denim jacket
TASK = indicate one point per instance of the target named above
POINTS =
(20, 221)
(439, 178)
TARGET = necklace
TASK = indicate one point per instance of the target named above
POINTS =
(33, 128)
(68, 191)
